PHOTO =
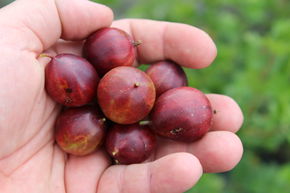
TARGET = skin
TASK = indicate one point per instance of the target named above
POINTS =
(29, 159)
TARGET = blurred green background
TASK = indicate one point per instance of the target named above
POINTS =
(253, 67)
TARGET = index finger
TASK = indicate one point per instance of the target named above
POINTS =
(184, 44)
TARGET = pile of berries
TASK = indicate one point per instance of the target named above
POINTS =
(107, 101)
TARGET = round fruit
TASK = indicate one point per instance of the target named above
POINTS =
(71, 80)
(166, 75)
(182, 114)
(126, 95)
(108, 48)
(79, 131)
(129, 144)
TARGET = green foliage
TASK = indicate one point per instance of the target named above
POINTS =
(209, 183)
(253, 67)
(5, 2)
(254, 176)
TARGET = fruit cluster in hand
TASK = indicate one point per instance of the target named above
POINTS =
(107, 101)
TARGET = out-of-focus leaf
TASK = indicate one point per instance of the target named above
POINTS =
(209, 183)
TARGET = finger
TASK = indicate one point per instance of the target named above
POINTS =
(37, 24)
(57, 169)
(62, 46)
(184, 44)
(227, 113)
(72, 47)
(82, 18)
(83, 173)
(174, 173)
(217, 151)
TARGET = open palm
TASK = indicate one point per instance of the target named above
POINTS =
(29, 159)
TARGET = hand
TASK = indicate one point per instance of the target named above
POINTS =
(29, 159)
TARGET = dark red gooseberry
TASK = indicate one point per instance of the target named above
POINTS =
(126, 95)
(166, 75)
(129, 144)
(182, 114)
(71, 80)
(79, 131)
(108, 48)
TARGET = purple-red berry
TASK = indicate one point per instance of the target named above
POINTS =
(126, 95)
(108, 48)
(129, 144)
(182, 114)
(71, 80)
(79, 131)
(166, 75)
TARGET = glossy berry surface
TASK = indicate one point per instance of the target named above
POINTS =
(108, 48)
(71, 80)
(79, 131)
(128, 144)
(182, 114)
(166, 75)
(126, 95)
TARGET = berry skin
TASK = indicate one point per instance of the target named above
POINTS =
(182, 114)
(129, 144)
(108, 48)
(71, 80)
(126, 95)
(79, 131)
(166, 75)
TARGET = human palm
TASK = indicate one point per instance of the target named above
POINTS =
(29, 159)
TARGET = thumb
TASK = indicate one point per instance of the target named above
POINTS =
(174, 173)
(36, 25)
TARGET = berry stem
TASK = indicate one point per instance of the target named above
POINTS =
(145, 122)
(137, 43)
(43, 55)
(103, 119)
(137, 84)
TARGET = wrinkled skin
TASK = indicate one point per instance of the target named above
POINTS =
(29, 159)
